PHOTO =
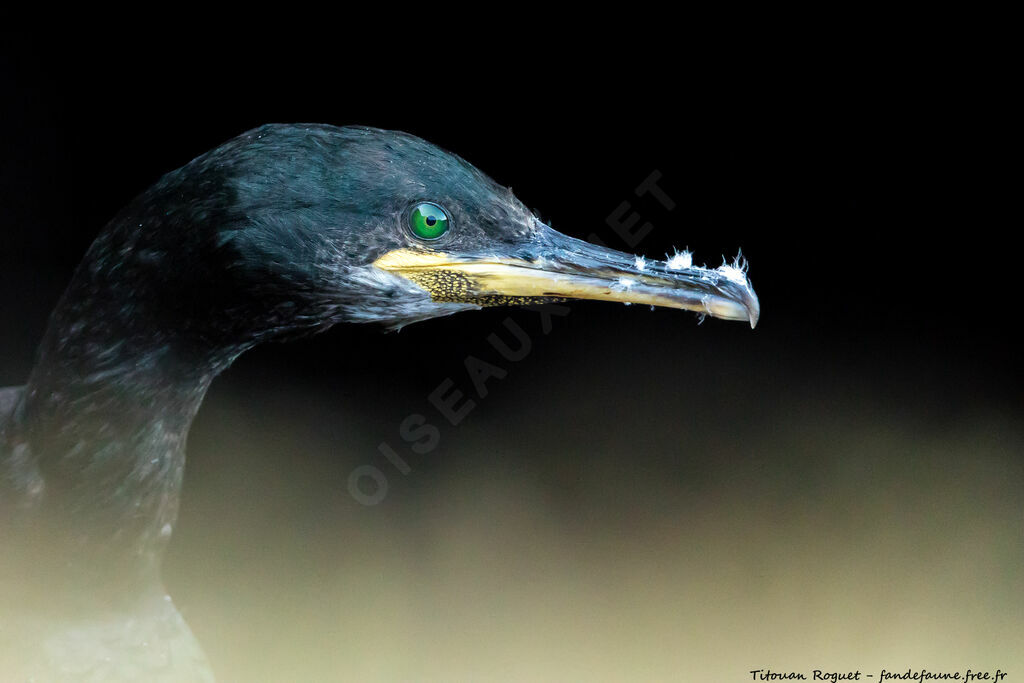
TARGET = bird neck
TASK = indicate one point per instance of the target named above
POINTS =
(99, 433)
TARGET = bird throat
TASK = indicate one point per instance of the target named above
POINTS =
(100, 433)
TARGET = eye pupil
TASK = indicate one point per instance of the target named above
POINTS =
(428, 221)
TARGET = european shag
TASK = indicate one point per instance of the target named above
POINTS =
(283, 231)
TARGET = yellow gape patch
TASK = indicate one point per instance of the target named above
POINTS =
(455, 287)
(449, 280)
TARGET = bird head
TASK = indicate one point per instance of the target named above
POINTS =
(321, 225)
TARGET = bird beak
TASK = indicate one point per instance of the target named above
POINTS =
(554, 267)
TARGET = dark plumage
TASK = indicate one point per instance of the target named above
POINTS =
(283, 231)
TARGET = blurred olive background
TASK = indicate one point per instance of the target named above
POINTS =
(643, 497)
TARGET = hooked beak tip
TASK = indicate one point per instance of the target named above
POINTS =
(753, 311)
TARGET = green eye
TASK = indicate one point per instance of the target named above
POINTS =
(428, 221)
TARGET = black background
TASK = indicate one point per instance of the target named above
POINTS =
(863, 188)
